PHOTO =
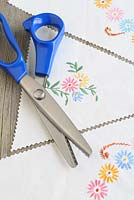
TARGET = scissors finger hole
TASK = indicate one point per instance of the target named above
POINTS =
(47, 33)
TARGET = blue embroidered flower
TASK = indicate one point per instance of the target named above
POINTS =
(127, 25)
(125, 159)
(77, 96)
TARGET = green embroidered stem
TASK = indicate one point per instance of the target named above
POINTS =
(92, 89)
(65, 94)
(74, 67)
(75, 87)
(57, 91)
(84, 91)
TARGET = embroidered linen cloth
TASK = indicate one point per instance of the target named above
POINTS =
(42, 173)
(108, 23)
(91, 87)
(108, 173)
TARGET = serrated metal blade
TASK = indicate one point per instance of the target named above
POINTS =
(54, 113)
(61, 142)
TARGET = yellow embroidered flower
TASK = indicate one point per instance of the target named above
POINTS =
(83, 79)
(132, 39)
(109, 173)
(103, 3)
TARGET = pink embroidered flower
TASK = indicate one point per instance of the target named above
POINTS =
(70, 84)
(97, 189)
(115, 14)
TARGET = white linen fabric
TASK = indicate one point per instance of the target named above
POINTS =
(108, 23)
(42, 173)
(91, 87)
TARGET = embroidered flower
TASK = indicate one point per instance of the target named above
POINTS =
(70, 84)
(77, 96)
(97, 189)
(125, 159)
(115, 14)
(127, 25)
(83, 79)
(103, 3)
(71, 87)
(108, 173)
(132, 39)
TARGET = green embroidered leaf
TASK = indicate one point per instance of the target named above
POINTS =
(61, 94)
(69, 63)
(75, 64)
(66, 102)
(79, 68)
(93, 92)
(92, 87)
(72, 66)
(47, 84)
(64, 94)
(66, 97)
(84, 91)
(55, 84)
(96, 98)
(55, 92)
(71, 71)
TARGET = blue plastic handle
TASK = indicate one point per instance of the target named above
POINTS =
(45, 50)
(17, 69)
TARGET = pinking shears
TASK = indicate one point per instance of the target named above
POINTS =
(58, 124)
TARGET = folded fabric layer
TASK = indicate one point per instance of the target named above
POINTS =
(108, 23)
(107, 174)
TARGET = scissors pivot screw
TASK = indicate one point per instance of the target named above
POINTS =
(39, 94)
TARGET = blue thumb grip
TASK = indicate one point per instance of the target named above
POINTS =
(17, 69)
(45, 50)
